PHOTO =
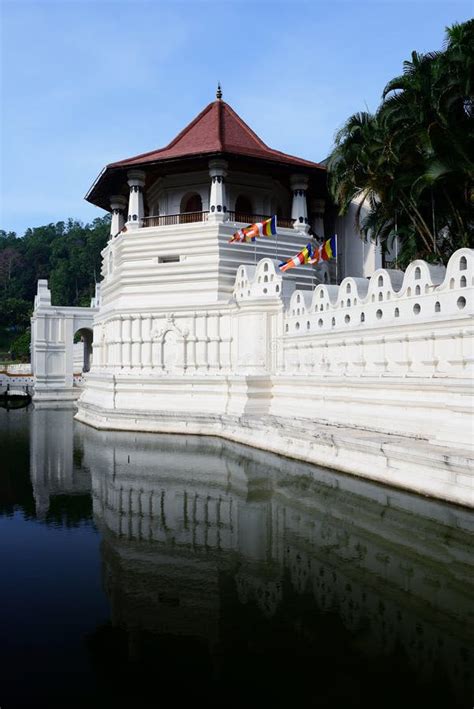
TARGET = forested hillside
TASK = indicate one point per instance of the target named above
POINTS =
(66, 253)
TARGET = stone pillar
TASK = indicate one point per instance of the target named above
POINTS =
(218, 201)
(317, 218)
(43, 294)
(299, 209)
(117, 204)
(95, 301)
(136, 212)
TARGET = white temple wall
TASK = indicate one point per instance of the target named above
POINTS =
(135, 275)
(413, 329)
(389, 357)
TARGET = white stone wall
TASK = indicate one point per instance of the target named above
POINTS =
(394, 324)
(398, 344)
(135, 276)
(377, 359)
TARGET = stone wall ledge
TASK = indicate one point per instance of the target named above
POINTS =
(401, 462)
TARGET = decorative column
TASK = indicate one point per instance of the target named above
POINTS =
(299, 209)
(218, 201)
(118, 205)
(136, 212)
(317, 218)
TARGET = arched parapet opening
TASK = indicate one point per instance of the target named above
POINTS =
(300, 303)
(352, 291)
(421, 277)
(325, 294)
(262, 280)
(384, 284)
(243, 281)
(460, 270)
(267, 279)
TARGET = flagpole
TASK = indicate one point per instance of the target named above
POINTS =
(337, 260)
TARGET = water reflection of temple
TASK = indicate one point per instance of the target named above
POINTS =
(195, 528)
(56, 469)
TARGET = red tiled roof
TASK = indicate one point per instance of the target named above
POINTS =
(217, 129)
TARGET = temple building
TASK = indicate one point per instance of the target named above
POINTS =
(190, 333)
(217, 175)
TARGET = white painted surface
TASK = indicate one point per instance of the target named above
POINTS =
(53, 351)
(274, 353)
(193, 332)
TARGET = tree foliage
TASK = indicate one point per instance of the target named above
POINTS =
(66, 253)
(410, 165)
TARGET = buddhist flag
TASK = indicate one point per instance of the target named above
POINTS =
(304, 256)
(326, 251)
(250, 233)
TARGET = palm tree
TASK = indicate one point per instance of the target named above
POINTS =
(410, 164)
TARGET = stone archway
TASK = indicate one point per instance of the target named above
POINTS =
(86, 336)
(52, 346)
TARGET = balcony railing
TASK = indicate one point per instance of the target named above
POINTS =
(191, 217)
(243, 218)
(183, 218)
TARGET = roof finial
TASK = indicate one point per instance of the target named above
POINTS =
(219, 91)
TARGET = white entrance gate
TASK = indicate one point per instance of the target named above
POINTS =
(52, 346)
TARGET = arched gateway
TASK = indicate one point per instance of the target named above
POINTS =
(57, 362)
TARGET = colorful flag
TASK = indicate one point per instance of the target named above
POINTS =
(304, 256)
(326, 251)
(250, 233)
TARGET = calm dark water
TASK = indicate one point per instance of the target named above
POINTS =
(148, 570)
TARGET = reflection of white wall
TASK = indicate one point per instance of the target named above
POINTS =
(169, 504)
(52, 470)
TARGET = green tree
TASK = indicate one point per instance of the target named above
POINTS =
(410, 165)
(66, 253)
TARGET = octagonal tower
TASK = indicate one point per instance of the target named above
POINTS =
(174, 210)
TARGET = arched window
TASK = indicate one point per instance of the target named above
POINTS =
(191, 208)
(243, 209)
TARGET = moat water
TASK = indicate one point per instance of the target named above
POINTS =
(144, 570)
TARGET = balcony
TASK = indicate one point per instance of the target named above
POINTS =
(192, 217)
(170, 219)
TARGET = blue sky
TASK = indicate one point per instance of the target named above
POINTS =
(84, 83)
